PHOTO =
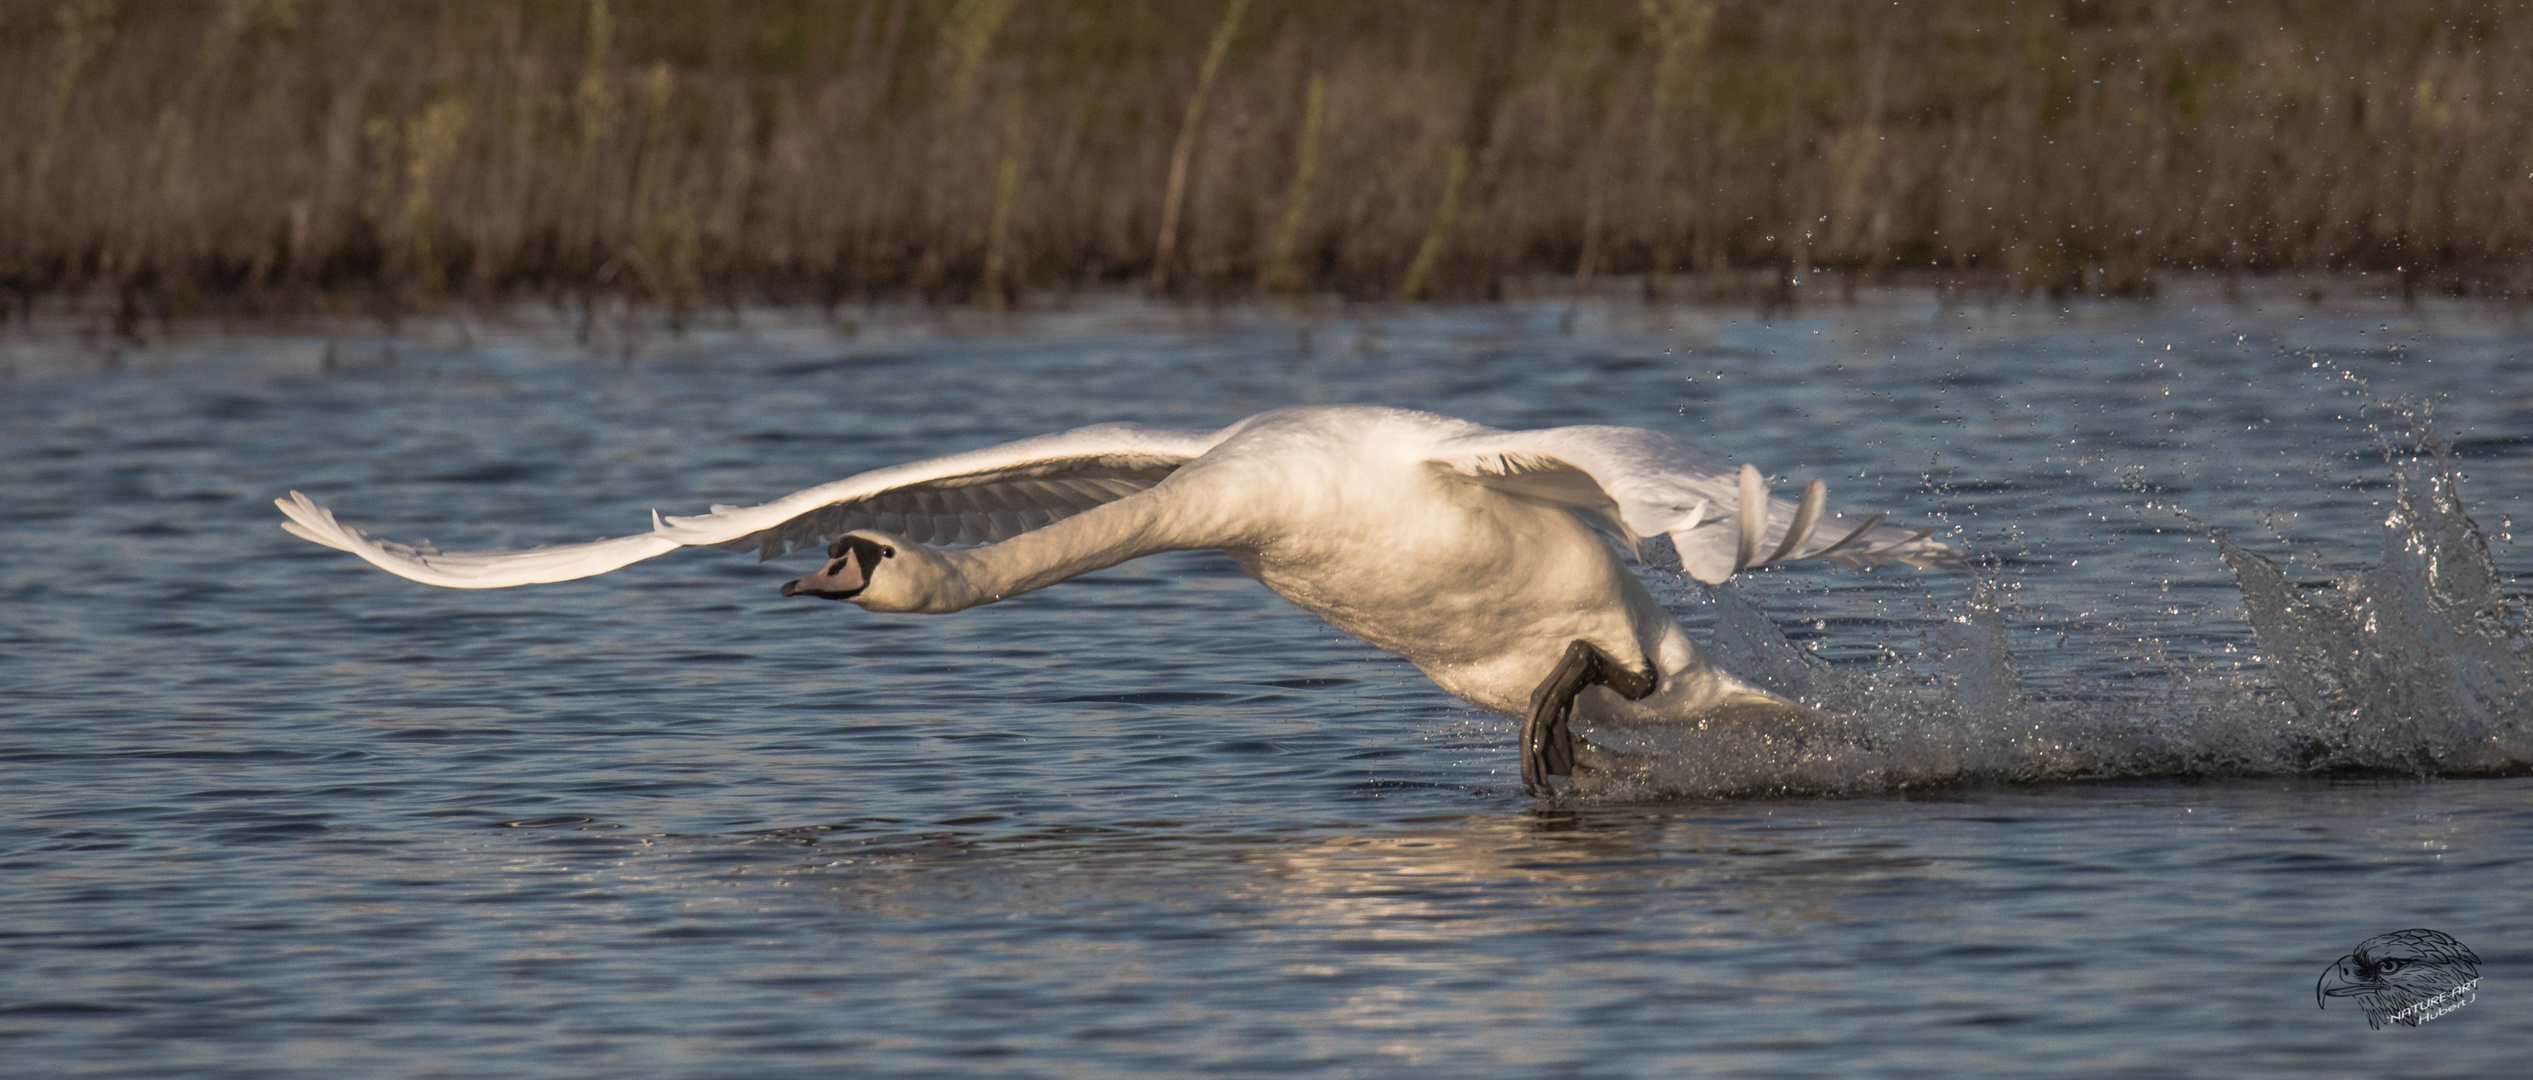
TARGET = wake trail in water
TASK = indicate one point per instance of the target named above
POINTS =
(2421, 666)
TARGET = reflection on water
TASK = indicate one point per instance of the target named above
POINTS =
(1761, 938)
(271, 812)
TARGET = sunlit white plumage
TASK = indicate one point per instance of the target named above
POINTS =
(1471, 551)
(982, 495)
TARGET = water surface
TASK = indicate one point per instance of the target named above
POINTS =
(270, 812)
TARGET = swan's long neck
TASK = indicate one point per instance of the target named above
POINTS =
(1095, 539)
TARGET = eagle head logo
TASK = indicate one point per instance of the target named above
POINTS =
(2402, 977)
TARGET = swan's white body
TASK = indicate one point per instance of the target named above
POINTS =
(1468, 550)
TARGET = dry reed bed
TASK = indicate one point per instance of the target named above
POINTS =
(274, 153)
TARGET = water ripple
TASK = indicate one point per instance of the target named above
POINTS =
(272, 813)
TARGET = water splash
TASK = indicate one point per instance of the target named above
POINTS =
(2421, 665)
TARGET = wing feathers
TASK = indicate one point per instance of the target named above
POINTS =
(1806, 517)
(1754, 521)
(1633, 482)
(958, 510)
(975, 497)
(1642, 483)
(468, 569)
(1850, 539)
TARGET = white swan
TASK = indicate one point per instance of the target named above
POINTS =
(1468, 550)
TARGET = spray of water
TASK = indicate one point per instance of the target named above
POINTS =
(2419, 666)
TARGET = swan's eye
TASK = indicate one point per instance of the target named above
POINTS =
(887, 552)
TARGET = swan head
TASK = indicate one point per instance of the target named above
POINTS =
(879, 572)
(851, 561)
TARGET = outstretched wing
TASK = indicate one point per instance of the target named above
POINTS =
(1639, 483)
(979, 496)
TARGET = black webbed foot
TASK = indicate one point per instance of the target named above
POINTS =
(1548, 742)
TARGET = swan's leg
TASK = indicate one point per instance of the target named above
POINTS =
(1548, 741)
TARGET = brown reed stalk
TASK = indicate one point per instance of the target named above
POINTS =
(1855, 228)
(2427, 132)
(86, 26)
(1438, 232)
(1280, 271)
(1679, 30)
(664, 227)
(430, 144)
(967, 33)
(1174, 194)
(994, 281)
(596, 95)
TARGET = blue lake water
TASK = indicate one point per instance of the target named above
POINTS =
(266, 811)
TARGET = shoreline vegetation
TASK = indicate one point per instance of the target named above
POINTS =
(168, 159)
